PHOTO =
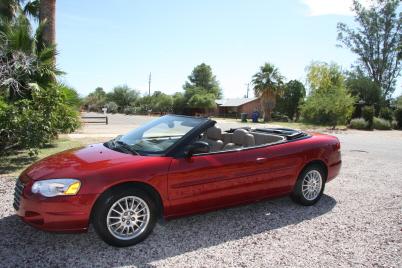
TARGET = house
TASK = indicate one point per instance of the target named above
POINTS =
(234, 107)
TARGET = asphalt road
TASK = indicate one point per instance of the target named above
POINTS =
(357, 223)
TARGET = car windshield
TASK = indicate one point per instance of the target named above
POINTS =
(156, 136)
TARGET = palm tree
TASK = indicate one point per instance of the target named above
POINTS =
(10, 9)
(47, 14)
(24, 59)
(267, 84)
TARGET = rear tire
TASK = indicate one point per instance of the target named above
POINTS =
(124, 217)
(310, 186)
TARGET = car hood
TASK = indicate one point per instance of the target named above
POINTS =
(77, 162)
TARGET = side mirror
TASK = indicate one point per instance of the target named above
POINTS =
(198, 147)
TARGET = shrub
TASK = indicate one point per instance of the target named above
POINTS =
(331, 107)
(288, 102)
(123, 96)
(386, 113)
(398, 117)
(71, 96)
(111, 107)
(276, 116)
(368, 115)
(381, 124)
(358, 123)
(95, 101)
(394, 124)
(32, 123)
(129, 110)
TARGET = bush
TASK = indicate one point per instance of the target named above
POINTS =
(358, 123)
(394, 124)
(129, 110)
(276, 116)
(381, 124)
(123, 96)
(71, 96)
(386, 113)
(331, 107)
(368, 115)
(398, 117)
(32, 123)
(289, 101)
(111, 107)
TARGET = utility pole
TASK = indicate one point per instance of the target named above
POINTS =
(149, 85)
(248, 89)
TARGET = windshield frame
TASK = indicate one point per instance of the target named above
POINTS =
(182, 140)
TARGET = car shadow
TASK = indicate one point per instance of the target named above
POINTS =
(24, 245)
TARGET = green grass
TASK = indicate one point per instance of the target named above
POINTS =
(300, 125)
(14, 163)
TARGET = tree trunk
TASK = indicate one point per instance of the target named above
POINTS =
(268, 104)
(47, 11)
(267, 115)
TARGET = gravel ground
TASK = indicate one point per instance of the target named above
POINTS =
(358, 223)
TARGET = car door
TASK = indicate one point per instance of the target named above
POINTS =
(271, 170)
(214, 180)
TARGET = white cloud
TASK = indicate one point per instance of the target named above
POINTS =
(331, 7)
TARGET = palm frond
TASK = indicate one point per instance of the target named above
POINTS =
(32, 9)
(9, 9)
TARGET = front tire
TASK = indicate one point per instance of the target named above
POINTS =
(310, 186)
(124, 217)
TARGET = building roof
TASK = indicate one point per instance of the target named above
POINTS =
(234, 102)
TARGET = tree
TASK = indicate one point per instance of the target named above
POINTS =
(398, 102)
(293, 95)
(123, 96)
(268, 84)
(24, 59)
(376, 41)
(95, 100)
(202, 80)
(365, 91)
(34, 108)
(202, 89)
(9, 9)
(161, 102)
(47, 15)
(329, 103)
(202, 101)
(70, 95)
(179, 103)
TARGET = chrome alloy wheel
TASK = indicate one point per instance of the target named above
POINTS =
(312, 185)
(128, 217)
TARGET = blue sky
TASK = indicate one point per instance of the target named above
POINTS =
(109, 43)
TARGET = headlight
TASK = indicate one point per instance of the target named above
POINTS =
(56, 187)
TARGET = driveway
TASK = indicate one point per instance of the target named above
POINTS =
(357, 223)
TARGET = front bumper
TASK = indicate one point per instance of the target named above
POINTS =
(55, 214)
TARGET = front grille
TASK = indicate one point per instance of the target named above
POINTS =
(19, 187)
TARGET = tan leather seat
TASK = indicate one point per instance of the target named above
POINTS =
(262, 138)
(249, 141)
(240, 138)
(213, 138)
(227, 138)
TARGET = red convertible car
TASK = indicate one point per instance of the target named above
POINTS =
(170, 167)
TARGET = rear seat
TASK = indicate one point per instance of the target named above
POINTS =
(240, 138)
(262, 138)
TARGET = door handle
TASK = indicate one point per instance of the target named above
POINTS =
(260, 160)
